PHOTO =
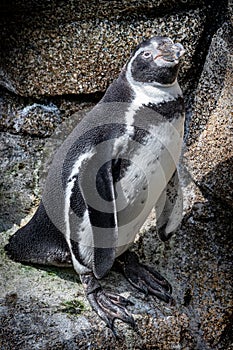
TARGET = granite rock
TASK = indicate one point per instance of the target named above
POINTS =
(39, 117)
(19, 190)
(209, 152)
(44, 54)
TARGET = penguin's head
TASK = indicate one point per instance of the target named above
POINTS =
(155, 61)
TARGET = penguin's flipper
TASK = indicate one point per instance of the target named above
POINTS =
(169, 208)
(103, 218)
(109, 306)
(144, 277)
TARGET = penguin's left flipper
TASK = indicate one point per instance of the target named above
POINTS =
(109, 306)
(144, 277)
(169, 208)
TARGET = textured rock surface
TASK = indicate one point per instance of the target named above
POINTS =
(44, 308)
(20, 159)
(38, 117)
(46, 54)
(210, 139)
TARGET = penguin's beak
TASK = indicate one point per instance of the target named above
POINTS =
(170, 52)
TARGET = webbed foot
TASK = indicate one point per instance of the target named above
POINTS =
(109, 306)
(144, 277)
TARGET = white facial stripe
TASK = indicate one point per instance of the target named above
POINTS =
(135, 105)
(154, 44)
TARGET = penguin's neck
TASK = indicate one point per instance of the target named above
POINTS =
(151, 93)
(147, 94)
(154, 94)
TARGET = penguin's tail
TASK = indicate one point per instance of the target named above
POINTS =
(20, 247)
(39, 242)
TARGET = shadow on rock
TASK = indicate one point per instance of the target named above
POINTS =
(218, 183)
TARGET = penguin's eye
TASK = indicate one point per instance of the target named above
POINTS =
(147, 54)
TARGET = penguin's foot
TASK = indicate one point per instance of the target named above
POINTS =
(145, 278)
(109, 306)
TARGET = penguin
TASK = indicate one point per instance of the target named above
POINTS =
(117, 164)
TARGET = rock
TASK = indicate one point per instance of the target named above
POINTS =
(43, 53)
(38, 118)
(209, 154)
(66, 9)
(20, 159)
(35, 119)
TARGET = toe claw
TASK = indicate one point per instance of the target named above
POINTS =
(145, 278)
(118, 299)
(113, 309)
(166, 297)
(109, 306)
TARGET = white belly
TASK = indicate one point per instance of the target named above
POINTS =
(152, 167)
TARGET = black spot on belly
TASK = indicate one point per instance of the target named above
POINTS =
(187, 297)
